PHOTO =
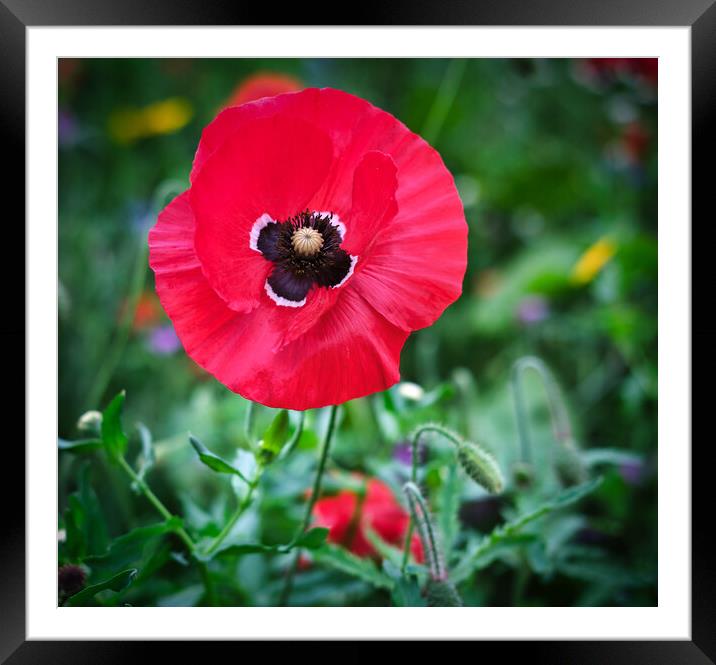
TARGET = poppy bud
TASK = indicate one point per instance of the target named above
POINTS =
(569, 466)
(91, 421)
(441, 593)
(70, 579)
(522, 473)
(421, 518)
(481, 466)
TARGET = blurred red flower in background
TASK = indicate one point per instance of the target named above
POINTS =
(262, 84)
(147, 312)
(635, 142)
(348, 516)
(644, 69)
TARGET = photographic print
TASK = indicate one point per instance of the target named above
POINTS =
(357, 332)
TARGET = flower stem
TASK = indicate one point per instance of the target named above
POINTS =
(430, 427)
(181, 532)
(285, 594)
(243, 505)
(561, 426)
(421, 516)
(248, 424)
(154, 500)
(291, 445)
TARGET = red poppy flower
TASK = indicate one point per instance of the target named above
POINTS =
(348, 518)
(317, 233)
(263, 84)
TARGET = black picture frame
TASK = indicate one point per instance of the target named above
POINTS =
(17, 15)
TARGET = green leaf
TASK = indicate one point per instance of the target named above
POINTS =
(310, 540)
(214, 462)
(341, 559)
(313, 538)
(406, 589)
(129, 548)
(147, 457)
(508, 534)
(85, 524)
(186, 597)
(274, 438)
(117, 583)
(75, 545)
(114, 439)
(81, 446)
(597, 456)
(247, 548)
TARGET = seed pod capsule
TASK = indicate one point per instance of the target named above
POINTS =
(481, 466)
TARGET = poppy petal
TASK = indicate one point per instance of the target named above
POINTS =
(417, 264)
(262, 355)
(195, 310)
(271, 167)
(373, 201)
(351, 351)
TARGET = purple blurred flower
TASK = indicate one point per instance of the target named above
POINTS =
(633, 472)
(403, 453)
(163, 340)
(67, 128)
(532, 309)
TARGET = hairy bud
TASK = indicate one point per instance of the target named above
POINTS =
(481, 466)
(441, 593)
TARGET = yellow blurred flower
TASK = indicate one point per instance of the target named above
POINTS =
(593, 260)
(164, 117)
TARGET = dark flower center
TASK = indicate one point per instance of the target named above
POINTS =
(306, 251)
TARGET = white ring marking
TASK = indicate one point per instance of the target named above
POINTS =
(354, 260)
(256, 229)
(279, 300)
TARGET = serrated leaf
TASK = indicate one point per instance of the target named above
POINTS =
(310, 540)
(604, 573)
(117, 583)
(80, 446)
(113, 437)
(129, 547)
(341, 559)
(508, 534)
(406, 590)
(214, 462)
(274, 438)
(85, 525)
(313, 538)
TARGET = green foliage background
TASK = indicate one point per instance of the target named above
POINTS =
(549, 158)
